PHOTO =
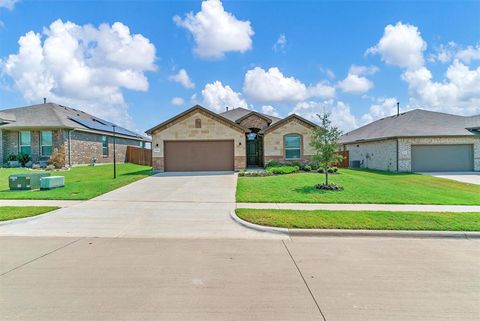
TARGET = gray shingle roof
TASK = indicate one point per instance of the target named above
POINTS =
(51, 115)
(414, 123)
(237, 113)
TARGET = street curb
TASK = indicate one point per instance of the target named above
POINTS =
(355, 233)
(258, 228)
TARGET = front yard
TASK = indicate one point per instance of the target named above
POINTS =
(13, 212)
(365, 220)
(361, 186)
(81, 183)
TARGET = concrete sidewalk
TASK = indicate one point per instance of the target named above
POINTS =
(363, 207)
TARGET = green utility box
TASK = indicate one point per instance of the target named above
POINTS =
(51, 182)
(22, 182)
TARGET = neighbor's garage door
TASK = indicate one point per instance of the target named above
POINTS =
(212, 155)
(442, 158)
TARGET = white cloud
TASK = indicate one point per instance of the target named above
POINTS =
(383, 107)
(458, 93)
(82, 66)
(216, 31)
(443, 53)
(280, 43)
(468, 54)
(177, 101)
(340, 112)
(270, 110)
(217, 97)
(182, 78)
(355, 84)
(9, 4)
(401, 45)
(330, 74)
(272, 86)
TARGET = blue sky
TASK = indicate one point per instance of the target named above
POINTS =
(354, 59)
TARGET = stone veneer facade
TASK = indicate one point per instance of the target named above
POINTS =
(273, 141)
(84, 146)
(254, 121)
(382, 153)
(211, 129)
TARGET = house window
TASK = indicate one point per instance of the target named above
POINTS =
(104, 146)
(25, 143)
(198, 123)
(46, 143)
(292, 143)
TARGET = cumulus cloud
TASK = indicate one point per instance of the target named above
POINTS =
(177, 101)
(82, 66)
(272, 86)
(363, 70)
(217, 97)
(340, 112)
(9, 4)
(355, 84)
(383, 107)
(280, 43)
(401, 45)
(270, 110)
(216, 31)
(456, 93)
(182, 78)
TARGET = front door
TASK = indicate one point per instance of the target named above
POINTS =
(252, 150)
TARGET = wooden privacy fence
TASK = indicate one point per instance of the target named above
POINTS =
(139, 155)
(345, 161)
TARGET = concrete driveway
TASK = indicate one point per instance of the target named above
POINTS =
(179, 205)
(464, 177)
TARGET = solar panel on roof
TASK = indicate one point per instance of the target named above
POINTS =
(103, 126)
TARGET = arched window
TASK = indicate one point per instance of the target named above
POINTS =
(292, 144)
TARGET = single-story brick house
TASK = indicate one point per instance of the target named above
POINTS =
(416, 141)
(202, 140)
(36, 130)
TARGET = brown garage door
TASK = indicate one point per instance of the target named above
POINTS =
(211, 155)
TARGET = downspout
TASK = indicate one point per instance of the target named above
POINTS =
(397, 157)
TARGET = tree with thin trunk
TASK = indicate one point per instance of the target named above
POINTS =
(325, 144)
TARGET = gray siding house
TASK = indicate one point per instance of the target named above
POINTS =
(36, 130)
(416, 141)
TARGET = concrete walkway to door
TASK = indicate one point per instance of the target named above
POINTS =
(167, 205)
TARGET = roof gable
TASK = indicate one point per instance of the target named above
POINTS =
(191, 110)
(288, 119)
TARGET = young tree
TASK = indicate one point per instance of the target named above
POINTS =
(325, 144)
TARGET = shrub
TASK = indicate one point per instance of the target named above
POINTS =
(283, 170)
(57, 159)
(241, 173)
(23, 159)
(11, 157)
(254, 173)
(329, 187)
(307, 168)
(273, 163)
(332, 170)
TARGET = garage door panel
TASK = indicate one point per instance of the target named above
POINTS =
(212, 155)
(442, 158)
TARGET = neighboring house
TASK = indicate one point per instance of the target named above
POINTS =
(36, 130)
(416, 141)
(201, 140)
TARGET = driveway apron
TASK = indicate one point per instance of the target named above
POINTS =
(166, 205)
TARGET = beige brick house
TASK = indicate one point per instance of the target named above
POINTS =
(36, 130)
(417, 141)
(201, 140)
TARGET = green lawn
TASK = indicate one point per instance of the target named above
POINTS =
(368, 220)
(361, 186)
(13, 212)
(81, 183)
